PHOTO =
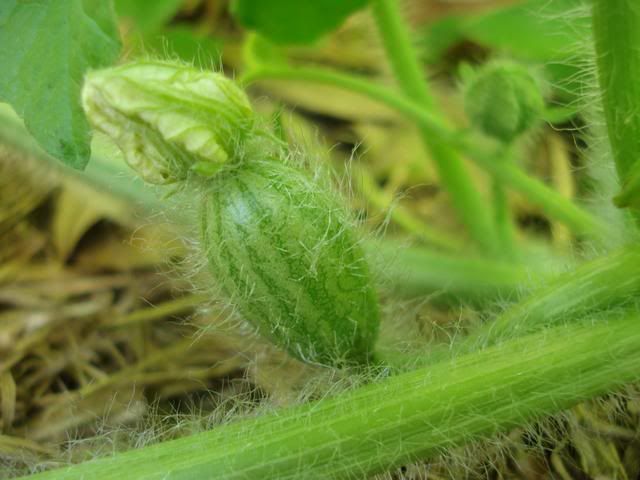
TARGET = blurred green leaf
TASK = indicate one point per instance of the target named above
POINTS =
(532, 30)
(294, 21)
(182, 41)
(549, 32)
(148, 15)
(47, 46)
(258, 51)
(629, 196)
(439, 36)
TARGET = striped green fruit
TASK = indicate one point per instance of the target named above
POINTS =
(282, 251)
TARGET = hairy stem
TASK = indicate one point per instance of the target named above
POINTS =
(606, 282)
(401, 419)
(465, 197)
(616, 31)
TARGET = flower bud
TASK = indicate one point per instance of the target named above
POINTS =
(169, 119)
(503, 100)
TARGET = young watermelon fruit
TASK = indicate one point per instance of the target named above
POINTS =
(281, 248)
(279, 245)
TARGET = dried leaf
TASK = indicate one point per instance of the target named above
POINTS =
(8, 400)
(78, 208)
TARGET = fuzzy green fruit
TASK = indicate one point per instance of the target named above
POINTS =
(283, 253)
(280, 247)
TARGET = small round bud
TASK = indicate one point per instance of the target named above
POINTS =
(503, 100)
(169, 119)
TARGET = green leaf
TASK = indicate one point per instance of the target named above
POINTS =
(531, 30)
(47, 46)
(616, 34)
(629, 196)
(294, 21)
(259, 51)
(203, 51)
(148, 15)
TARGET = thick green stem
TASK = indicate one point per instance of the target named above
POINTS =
(465, 197)
(606, 282)
(401, 419)
(400, 52)
(414, 271)
(552, 203)
(616, 31)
